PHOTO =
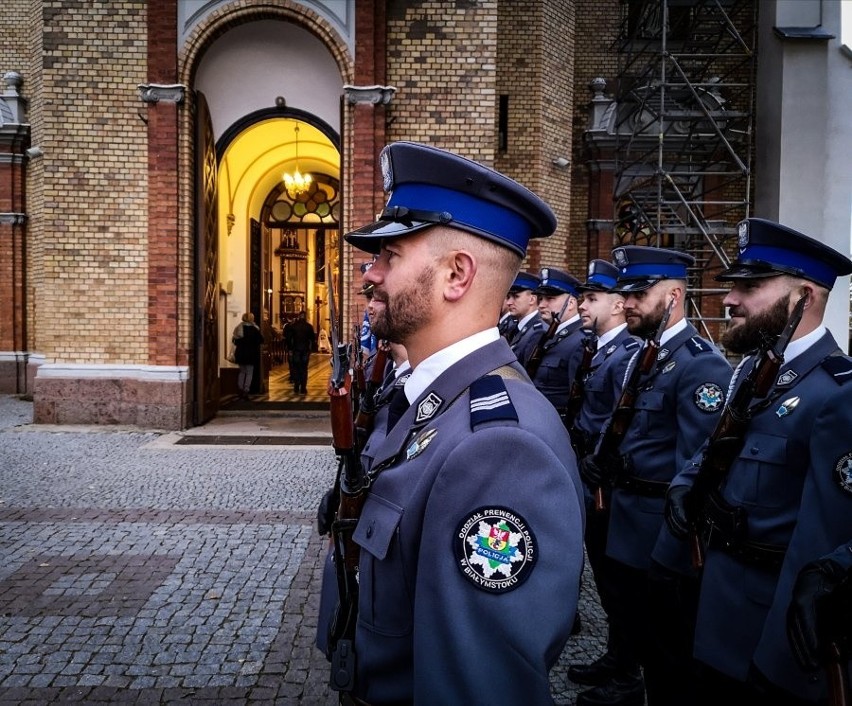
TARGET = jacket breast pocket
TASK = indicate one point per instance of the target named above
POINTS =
(385, 604)
(761, 476)
(649, 405)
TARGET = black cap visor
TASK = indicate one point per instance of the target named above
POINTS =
(633, 285)
(593, 287)
(369, 238)
(740, 271)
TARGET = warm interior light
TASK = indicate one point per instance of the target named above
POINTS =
(297, 183)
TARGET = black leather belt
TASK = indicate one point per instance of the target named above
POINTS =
(641, 486)
(766, 556)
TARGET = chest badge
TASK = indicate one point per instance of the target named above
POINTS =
(786, 378)
(663, 354)
(669, 367)
(495, 549)
(787, 407)
(418, 446)
(427, 408)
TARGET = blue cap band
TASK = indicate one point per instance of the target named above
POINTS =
(650, 270)
(602, 279)
(798, 261)
(486, 217)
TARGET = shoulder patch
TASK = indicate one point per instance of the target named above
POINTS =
(839, 367)
(709, 397)
(490, 402)
(843, 472)
(698, 345)
(495, 549)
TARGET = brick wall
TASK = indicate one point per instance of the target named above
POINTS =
(88, 270)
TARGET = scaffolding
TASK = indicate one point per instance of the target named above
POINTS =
(684, 126)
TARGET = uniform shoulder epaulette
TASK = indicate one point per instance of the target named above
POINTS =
(839, 367)
(490, 402)
(698, 345)
(537, 325)
(631, 344)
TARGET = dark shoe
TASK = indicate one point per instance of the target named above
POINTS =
(597, 673)
(619, 691)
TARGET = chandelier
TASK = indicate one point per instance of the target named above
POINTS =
(297, 183)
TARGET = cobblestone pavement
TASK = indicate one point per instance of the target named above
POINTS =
(136, 571)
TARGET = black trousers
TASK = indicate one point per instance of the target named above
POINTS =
(605, 576)
(656, 610)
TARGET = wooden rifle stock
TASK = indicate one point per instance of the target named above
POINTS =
(367, 407)
(575, 395)
(351, 489)
(625, 408)
(836, 676)
(534, 361)
(728, 437)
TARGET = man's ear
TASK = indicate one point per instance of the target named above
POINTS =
(461, 269)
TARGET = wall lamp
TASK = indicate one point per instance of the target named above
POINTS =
(561, 162)
(33, 152)
(369, 94)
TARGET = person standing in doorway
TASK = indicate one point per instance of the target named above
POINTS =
(247, 340)
(302, 340)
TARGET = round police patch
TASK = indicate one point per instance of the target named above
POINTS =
(709, 397)
(843, 472)
(495, 549)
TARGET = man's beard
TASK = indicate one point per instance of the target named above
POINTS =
(755, 329)
(647, 325)
(405, 312)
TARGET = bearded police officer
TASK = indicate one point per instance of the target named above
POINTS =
(678, 403)
(471, 534)
(790, 488)
(615, 676)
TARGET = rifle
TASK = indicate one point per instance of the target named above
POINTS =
(367, 406)
(728, 437)
(358, 382)
(537, 353)
(616, 428)
(835, 672)
(351, 488)
(575, 395)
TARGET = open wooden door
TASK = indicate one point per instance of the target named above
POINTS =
(206, 372)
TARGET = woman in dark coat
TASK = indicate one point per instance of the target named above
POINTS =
(247, 340)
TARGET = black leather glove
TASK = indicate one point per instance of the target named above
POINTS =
(678, 511)
(812, 610)
(600, 471)
(326, 512)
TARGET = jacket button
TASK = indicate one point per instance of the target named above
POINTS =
(370, 530)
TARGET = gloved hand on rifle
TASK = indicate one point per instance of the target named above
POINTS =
(818, 609)
(599, 471)
(326, 511)
(679, 511)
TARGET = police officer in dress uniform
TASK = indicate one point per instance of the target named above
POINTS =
(471, 534)
(790, 487)
(676, 409)
(523, 306)
(507, 326)
(560, 355)
(615, 676)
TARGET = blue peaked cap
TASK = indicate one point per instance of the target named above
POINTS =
(602, 277)
(555, 281)
(640, 267)
(428, 186)
(525, 280)
(768, 249)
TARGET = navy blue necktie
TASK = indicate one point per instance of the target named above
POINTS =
(398, 404)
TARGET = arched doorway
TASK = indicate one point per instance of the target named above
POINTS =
(279, 243)
(263, 79)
